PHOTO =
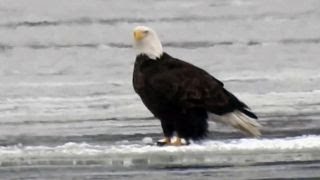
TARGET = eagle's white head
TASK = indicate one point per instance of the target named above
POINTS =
(146, 42)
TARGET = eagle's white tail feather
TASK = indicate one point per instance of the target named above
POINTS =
(241, 121)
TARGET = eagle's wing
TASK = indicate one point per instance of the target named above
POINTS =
(191, 87)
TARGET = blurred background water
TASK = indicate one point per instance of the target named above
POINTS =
(68, 109)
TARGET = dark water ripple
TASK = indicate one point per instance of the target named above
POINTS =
(112, 21)
(180, 44)
(300, 41)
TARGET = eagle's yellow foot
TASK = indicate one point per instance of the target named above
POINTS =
(178, 142)
(165, 141)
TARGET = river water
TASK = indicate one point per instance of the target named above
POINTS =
(68, 109)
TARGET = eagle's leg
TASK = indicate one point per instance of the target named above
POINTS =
(168, 130)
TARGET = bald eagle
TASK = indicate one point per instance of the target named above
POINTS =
(184, 97)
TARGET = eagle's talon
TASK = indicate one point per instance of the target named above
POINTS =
(178, 142)
(161, 143)
(164, 142)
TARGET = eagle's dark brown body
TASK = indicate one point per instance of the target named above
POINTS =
(181, 95)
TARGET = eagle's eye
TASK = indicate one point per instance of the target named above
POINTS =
(145, 31)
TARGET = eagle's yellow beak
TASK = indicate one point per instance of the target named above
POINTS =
(138, 35)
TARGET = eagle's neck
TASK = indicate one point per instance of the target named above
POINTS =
(152, 56)
(153, 51)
